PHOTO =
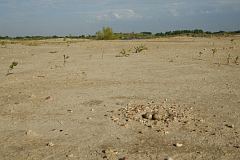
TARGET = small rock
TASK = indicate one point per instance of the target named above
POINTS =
(150, 126)
(92, 110)
(147, 115)
(104, 157)
(69, 110)
(178, 145)
(229, 126)
(50, 144)
(89, 118)
(33, 96)
(69, 155)
(114, 119)
(168, 158)
(156, 116)
(236, 146)
(48, 97)
(30, 133)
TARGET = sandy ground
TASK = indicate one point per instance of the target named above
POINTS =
(99, 106)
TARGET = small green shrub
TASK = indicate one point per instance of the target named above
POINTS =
(105, 34)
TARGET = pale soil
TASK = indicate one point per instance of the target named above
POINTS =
(49, 111)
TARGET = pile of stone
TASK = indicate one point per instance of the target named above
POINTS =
(152, 114)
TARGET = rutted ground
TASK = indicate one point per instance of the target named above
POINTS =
(169, 101)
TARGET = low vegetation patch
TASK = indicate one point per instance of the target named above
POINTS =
(136, 49)
(105, 34)
(11, 67)
(65, 57)
(139, 49)
(3, 44)
(123, 53)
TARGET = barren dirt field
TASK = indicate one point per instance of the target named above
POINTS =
(177, 100)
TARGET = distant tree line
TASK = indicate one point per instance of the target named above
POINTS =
(107, 34)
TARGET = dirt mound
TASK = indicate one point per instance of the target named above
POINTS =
(154, 115)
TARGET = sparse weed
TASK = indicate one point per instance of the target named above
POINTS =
(123, 53)
(232, 41)
(65, 57)
(68, 43)
(11, 67)
(236, 60)
(3, 44)
(140, 48)
(214, 51)
(52, 51)
(228, 58)
(30, 43)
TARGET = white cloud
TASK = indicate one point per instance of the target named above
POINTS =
(119, 14)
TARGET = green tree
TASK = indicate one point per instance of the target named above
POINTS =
(105, 34)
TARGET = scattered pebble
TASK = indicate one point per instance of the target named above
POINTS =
(41, 76)
(110, 154)
(70, 156)
(156, 116)
(178, 145)
(115, 119)
(69, 110)
(33, 96)
(29, 132)
(168, 158)
(48, 97)
(236, 146)
(150, 126)
(50, 144)
(153, 115)
(147, 115)
(229, 126)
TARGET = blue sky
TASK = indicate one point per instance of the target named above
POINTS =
(76, 17)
